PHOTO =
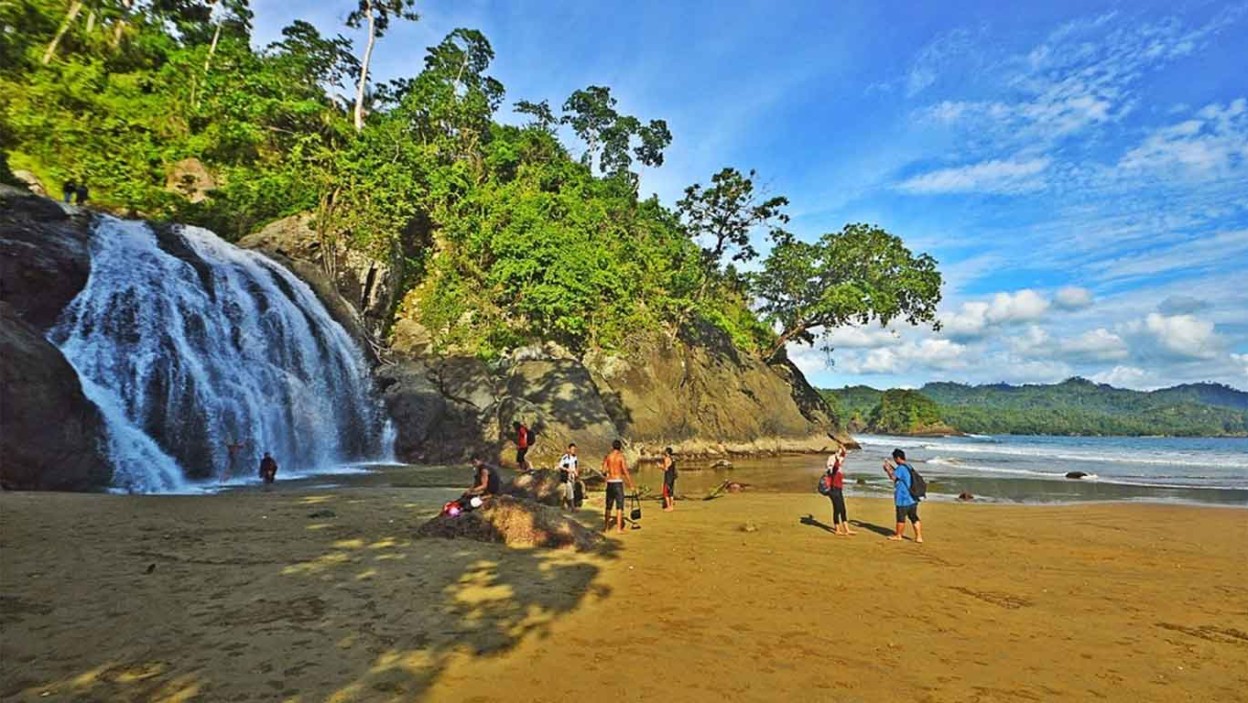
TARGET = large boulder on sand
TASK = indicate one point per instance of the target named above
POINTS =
(51, 435)
(515, 523)
(45, 257)
(540, 486)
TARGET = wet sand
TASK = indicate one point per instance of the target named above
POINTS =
(254, 596)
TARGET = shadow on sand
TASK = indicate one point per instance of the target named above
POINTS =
(295, 606)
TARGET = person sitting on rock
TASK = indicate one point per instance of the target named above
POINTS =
(570, 468)
(615, 468)
(268, 470)
(485, 479)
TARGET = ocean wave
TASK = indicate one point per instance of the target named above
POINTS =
(1126, 456)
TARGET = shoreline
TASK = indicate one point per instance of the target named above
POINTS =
(307, 594)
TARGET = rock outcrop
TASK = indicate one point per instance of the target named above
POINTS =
(44, 255)
(366, 285)
(51, 435)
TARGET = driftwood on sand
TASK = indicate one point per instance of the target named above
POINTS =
(514, 522)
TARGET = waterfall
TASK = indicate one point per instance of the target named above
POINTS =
(203, 356)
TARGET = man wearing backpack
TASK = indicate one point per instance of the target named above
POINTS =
(907, 505)
(524, 439)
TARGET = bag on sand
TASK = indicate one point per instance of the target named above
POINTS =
(918, 487)
(635, 513)
(825, 484)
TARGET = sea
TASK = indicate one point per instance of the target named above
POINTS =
(1017, 469)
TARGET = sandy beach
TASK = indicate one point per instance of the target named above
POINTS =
(308, 594)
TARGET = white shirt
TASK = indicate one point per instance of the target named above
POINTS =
(571, 463)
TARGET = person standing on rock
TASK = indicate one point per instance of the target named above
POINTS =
(615, 468)
(570, 467)
(80, 191)
(69, 189)
(524, 438)
(268, 470)
(836, 468)
(669, 480)
(906, 506)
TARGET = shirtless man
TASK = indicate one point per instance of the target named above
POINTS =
(615, 468)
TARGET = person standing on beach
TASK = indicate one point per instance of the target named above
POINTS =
(268, 470)
(570, 466)
(615, 468)
(836, 468)
(522, 446)
(906, 506)
(669, 480)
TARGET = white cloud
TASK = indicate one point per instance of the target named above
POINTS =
(1242, 360)
(860, 337)
(1212, 144)
(1182, 336)
(1126, 377)
(974, 318)
(1099, 344)
(995, 176)
(1073, 298)
(940, 354)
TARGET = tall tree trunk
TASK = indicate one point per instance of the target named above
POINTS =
(74, 8)
(212, 48)
(368, 55)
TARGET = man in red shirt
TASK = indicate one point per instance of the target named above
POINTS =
(522, 446)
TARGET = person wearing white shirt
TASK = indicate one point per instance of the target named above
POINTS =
(569, 466)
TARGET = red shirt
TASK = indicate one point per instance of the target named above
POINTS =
(522, 438)
(838, 479)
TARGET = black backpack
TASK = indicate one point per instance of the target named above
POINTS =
(918, 487)
(825, 484)
(532, 436)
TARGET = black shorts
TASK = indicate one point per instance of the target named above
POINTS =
(615, 494)
(908, 511)
(520, 453)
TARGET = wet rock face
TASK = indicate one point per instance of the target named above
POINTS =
(51, 436)
(44, 256)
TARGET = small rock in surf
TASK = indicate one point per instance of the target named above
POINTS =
(1075, 474)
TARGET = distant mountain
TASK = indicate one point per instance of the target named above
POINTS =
(1075, 406)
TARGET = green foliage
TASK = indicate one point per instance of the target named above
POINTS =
(857, 275)
(904, 412)
(501, 237)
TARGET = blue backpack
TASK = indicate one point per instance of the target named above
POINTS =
(825, 484)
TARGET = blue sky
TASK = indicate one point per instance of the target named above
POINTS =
(1079, 169)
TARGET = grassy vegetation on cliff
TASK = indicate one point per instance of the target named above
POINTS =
(1073, 407)
(502, 235)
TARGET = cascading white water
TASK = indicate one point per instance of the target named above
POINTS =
(191, 345)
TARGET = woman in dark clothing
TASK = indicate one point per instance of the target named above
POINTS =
(840, 522)
(669, 480)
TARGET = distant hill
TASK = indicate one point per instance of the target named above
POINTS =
(1075, 406)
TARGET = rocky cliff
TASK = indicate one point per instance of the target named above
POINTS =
(51, 435)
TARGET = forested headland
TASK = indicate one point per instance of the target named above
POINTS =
(504, 234)
(1074, 407)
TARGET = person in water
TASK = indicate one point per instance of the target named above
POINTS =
(232, 449)
(268, 470)
(836, 469)
(485, 479)
(669, 480)
(570, 467)
(906, 506)
(615, 468)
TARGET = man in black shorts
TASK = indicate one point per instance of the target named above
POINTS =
(615, 468)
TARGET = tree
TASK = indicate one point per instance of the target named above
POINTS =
(377, 15)
(857, 275)
(609, 135)
(543, 118)
(726, 213)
